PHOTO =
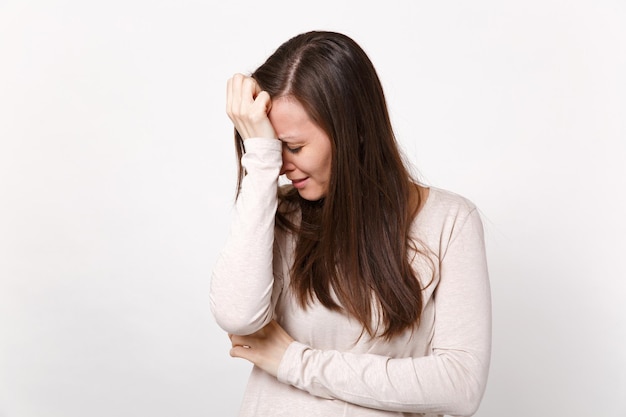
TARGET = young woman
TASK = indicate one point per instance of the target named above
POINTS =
(354, 290)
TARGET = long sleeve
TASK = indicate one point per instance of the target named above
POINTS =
(451, 379)
(241, 294)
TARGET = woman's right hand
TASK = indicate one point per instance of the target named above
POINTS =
(247, 106)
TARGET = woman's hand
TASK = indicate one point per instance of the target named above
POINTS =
(248, 106)
(264, 348)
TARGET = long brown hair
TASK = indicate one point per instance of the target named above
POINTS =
(353, 247)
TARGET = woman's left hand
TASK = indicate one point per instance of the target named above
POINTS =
(264, 348)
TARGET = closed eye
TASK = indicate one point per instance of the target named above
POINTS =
(293, 150)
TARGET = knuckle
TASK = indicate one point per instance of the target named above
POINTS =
(255, 117)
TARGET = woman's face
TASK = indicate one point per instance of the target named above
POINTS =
(306, 148)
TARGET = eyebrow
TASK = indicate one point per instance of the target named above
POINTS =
(286, 138)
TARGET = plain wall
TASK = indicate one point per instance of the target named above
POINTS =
(117, 176)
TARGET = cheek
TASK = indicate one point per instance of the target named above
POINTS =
(311, 163)
(327, 160)
(327, 168)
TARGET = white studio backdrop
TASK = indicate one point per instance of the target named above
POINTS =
(117, 174)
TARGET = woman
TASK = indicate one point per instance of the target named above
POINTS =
(354, 290)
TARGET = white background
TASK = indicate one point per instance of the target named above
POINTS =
(117, 174)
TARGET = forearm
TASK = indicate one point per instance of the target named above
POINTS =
(446, 383)
(242, 279)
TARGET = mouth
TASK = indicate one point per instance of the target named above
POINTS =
(299, 183)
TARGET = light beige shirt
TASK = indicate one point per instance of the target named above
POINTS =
(439, 369)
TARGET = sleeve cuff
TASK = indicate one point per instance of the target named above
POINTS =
(254, 144)
(289, 366)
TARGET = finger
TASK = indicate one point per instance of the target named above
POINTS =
(241, 102)
(243, 352)
(257, 88)
(229, 96)
(249, 88)
(236, 340)
(263, 99)
(235, 92)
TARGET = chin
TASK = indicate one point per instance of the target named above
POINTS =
(311, 196)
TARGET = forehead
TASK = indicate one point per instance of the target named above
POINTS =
(289, 117)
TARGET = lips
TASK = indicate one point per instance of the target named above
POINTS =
(299, 183)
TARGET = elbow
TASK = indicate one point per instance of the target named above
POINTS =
(468, 389)
(465, 401)
(236, 326)
(469, 399)
(239, 321)
(243, 314)
(467, 406)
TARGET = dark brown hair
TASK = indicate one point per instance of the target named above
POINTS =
(355, 244)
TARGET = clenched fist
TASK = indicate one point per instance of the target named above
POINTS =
(247, 106)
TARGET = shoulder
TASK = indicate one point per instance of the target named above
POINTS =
(444, 215)
(446, 203)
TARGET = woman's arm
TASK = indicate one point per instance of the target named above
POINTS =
(241, 294)
(242, 280)
(451, 380)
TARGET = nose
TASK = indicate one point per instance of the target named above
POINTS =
(287, 163)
